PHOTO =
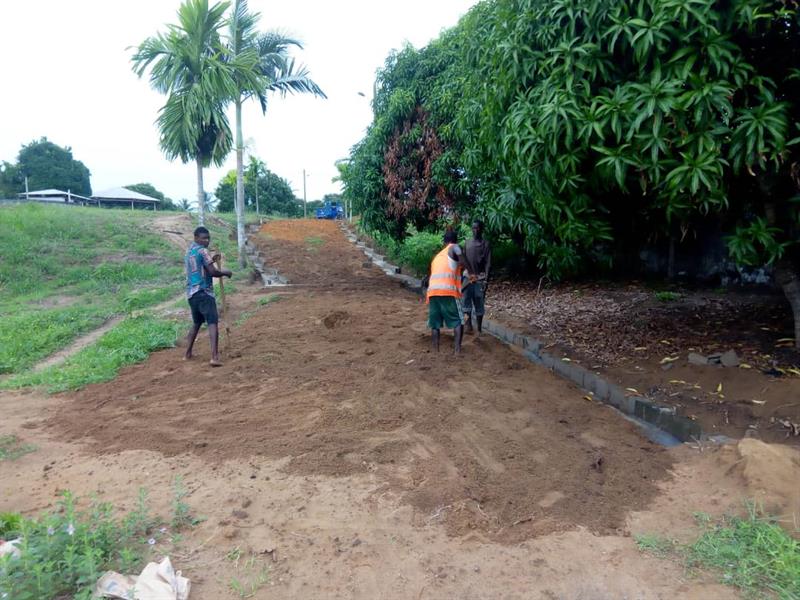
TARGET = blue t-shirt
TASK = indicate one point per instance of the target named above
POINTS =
(198, 279)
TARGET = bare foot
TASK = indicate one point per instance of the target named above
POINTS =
(187, 356)
(215, 362)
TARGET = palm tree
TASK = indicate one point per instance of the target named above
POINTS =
(276, 71)
(184, 205)
(255, 170)
(186, 63)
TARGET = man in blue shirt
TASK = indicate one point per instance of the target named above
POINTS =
(200, 270)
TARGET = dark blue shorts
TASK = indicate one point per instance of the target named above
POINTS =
(204, 309)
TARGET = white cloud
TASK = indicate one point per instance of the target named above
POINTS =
(67, 76)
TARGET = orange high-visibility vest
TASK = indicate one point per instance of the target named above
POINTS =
(445, 280)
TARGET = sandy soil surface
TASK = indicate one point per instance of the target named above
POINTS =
(347, 461)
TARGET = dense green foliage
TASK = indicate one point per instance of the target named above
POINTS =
(568, 122)
(65, 270)
(47, 166)
(274, 194)
(583, 128)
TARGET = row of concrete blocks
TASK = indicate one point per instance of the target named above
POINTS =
(662, 417)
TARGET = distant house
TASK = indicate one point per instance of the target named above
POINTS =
(122, 198)
(54, 195)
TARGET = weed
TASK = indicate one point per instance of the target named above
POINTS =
(10, 525)
(181, 515)
(139, 522)
(251, 574)
(656, 545)
(12, 449)
(242, 318)
(268, 299)
(314, 242)
(64, 553)
(752, 553)
(667, 296)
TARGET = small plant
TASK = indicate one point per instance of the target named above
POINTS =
(139, 522)
(314, 242)
(268, 299)
(10, 525)
(251, 574)
(753, 553)
(181, 515)
(242, 318)
(64, 553)
(12, 449)
(667, 296)
(656, 545)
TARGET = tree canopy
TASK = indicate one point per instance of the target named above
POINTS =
(580, 126)
(47, 166)
(275, 195)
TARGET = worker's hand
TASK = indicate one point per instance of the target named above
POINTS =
(472, 278)
(227, 273)
(216, 257)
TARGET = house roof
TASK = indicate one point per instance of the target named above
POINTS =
(52, 192)
(121, 193)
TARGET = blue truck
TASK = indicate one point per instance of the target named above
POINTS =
(331, 210)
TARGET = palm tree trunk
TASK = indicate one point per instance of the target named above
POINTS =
(240, 237)
(201, 195)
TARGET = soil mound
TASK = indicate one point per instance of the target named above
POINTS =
(336, 318)
(771, 474)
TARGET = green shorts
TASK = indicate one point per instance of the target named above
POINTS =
(444, 310)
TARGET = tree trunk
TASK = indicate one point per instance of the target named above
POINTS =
(787, 276)
(201, 195)
(240, 237)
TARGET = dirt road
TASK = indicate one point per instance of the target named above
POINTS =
(351, 462)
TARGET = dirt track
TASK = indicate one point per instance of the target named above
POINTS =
(338, 378)
(375, 468)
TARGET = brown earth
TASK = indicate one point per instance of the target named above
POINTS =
(341, 381)
(626, 334)
(341, 457)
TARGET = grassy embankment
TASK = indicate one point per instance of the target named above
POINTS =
(65, 271)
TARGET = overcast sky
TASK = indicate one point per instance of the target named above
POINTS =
(66, 75)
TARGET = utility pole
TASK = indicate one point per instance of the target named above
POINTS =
(305, 206)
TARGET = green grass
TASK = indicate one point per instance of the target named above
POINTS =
(752, 553)
(667, 296)
(249, 573)
(656, 545)
(129, 342)
(268, 299)
(12, 449)
(65, 270)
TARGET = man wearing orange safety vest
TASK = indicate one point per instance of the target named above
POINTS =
(444, 292)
